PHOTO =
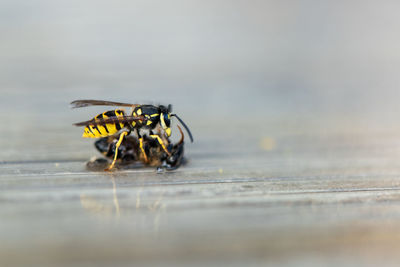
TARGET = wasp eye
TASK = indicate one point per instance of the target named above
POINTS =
(167, 120)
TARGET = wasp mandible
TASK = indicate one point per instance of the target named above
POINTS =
(142, 117)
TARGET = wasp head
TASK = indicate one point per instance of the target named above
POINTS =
(165, 120)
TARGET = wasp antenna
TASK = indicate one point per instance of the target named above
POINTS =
(169, 108)
(184, 125)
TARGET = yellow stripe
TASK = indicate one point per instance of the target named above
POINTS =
(91, 131)
(95, 132)
(87, 133)
(112, 129)
(120, 113)
(163, 125)
(102, 131)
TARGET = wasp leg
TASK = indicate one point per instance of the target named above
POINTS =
(121, 137)
(146, 160)
(160, 141)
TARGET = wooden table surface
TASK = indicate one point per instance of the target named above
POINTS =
(294, 108)
(289, 191)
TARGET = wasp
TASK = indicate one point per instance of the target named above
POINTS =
(148, 118)
(129, 152)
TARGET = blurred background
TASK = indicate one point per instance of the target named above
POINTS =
(230, 59)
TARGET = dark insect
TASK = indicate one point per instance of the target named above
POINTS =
(129, 152)
(142, 117)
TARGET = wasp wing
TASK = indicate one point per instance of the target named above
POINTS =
(86, 103)
(120, 119)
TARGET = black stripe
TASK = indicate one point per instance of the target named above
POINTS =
(114, 113)
(90, 129)
(95, 127)
(117, 126)
(105, 127)
(100, 117)
(110, 113)
(118, 113)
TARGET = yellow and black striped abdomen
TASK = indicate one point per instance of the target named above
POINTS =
(102, 130)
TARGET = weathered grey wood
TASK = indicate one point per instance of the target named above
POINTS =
(282, 198)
